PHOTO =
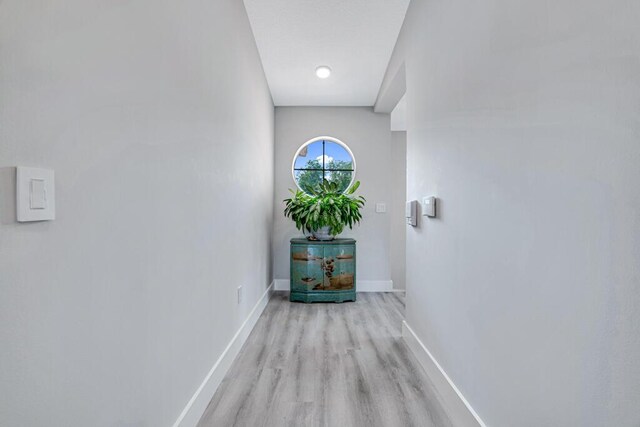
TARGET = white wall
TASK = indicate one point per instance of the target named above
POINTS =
(523, 120)
(368, 136)
(398, 178)
(159, 124)
(399, 116)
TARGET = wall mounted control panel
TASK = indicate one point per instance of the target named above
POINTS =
(411, 213)
(429, 206)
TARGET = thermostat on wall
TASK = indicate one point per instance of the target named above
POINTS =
(429, 206)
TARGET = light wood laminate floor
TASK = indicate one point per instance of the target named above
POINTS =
(327, 365)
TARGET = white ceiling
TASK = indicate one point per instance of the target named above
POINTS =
(353, 37)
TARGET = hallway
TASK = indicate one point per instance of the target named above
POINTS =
(327, 365)
(473, 167)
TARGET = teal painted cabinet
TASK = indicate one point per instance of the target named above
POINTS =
(323, 271)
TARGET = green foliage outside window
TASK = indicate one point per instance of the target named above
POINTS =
(310, 180)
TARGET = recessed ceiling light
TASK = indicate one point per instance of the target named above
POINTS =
(323, 71)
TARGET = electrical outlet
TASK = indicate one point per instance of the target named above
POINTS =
(239, 294)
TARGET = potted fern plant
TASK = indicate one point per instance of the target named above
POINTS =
(327, 211)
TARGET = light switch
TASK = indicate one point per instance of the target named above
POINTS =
(381, 207)
(38, 196)
(35, 194)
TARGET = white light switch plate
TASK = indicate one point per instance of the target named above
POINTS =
(381, 207)
(35, 194)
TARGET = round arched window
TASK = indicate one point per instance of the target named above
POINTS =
(323, 158)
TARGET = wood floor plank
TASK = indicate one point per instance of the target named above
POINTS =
(327, 365)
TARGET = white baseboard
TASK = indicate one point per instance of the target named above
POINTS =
(361, 285)
(459, 410)
(281, 284)
(203, 395)
(374, 286)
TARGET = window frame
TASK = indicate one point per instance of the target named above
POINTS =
(323, 170)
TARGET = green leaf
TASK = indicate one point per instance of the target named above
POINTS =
(326, 205)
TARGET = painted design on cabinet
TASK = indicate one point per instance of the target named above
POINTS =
(333, 271)
(323, 271)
